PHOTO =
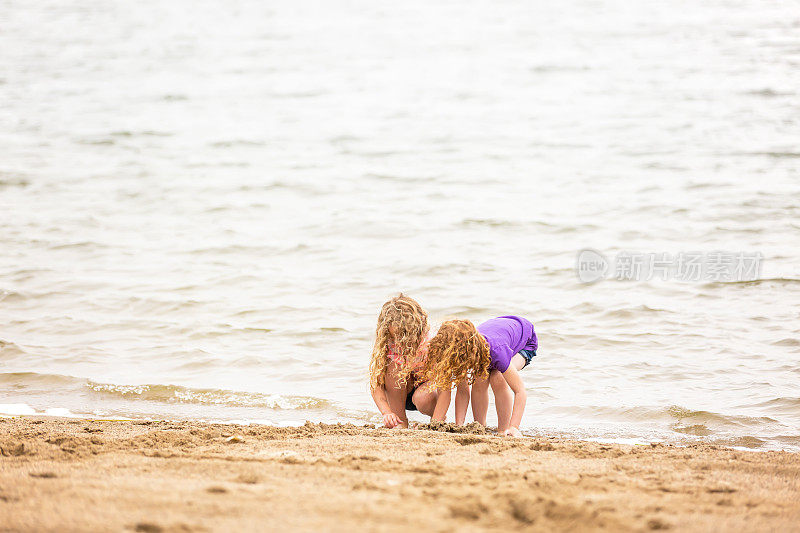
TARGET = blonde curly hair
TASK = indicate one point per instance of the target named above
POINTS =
(457, 352)
(402, 328)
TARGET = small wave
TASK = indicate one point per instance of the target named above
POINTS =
(253, 330)
(97, 142)
(170, 394)
(698, 430)
(768, 93)
(236, 142)
(661, 165)
(746, 441)
(9, 350)
(12, 296)
(778, 154)
(706, 417)
(77, 244)
(319, 332)
(144, 133)
(375, 154)
(632, 312)
(786, 404)
(298, 187)
(231, 249)
(792, 440)
(787, 342)
(246, 361)
(780, 281)
(730, 229)
(705, 185)
(265, 311)
(489, 222)
(558, 229)
(22, 380)
(12, 181)
(179, 394)
(587, 308)
(156, 305)
(679, 418)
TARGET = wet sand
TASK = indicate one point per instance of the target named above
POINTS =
(79, 475)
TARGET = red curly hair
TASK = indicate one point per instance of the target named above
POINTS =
(457, 352)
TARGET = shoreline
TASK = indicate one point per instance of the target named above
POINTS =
(87, 474)
(740, 443)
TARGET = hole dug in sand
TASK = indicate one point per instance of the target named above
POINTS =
(549, 513)
(472, 509)
(469, 439)
(43, 475)
(722, 489)
(13, 449)
(556, 514)
(147, 527)
(655, 524)
(250, 478)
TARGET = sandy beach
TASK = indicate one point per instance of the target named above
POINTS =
(90, 475)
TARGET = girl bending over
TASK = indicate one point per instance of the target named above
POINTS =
(489, 355)
(398, 360)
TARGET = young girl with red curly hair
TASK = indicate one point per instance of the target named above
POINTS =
(399, 357)
(491, 354)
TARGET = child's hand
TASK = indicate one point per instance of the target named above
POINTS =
(391, 420)
(512, 432)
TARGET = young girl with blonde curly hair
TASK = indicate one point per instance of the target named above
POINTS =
(399, 357)
(490, 355)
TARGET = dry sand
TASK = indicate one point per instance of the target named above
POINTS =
(79, 475)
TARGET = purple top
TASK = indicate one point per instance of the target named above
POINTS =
(507, 335)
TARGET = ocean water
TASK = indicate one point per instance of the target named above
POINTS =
(204, 204)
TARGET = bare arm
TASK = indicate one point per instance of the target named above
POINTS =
(379, 396)
(389, 418)
(462, 401)
(520, 398)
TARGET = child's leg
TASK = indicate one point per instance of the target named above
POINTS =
(503, 396)
(396, 393)
(480, 400)
(462, 401)
(425, 399)
(518, 361)
(503, 399)
(433, 403)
